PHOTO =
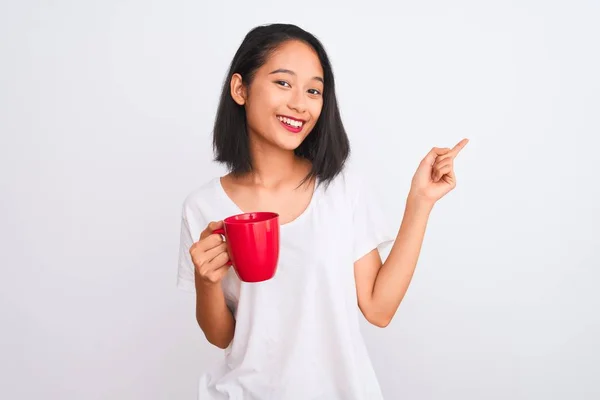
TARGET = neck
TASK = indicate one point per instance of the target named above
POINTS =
(273, 167)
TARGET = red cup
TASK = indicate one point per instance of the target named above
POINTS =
(253, 244)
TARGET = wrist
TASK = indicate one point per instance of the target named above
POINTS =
(419, 202)
(207, 286)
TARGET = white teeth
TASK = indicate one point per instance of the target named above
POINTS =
(291, 122)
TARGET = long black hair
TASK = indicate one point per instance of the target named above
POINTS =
(327, 146)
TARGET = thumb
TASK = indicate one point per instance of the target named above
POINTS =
(433, 154)
(210, 228)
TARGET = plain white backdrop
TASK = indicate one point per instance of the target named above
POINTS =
(106, 111)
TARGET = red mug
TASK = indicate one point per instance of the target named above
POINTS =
(253, 244)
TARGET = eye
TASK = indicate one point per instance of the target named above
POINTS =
(314, 91)
(283, 83)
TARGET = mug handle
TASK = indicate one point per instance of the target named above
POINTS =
(221, 231)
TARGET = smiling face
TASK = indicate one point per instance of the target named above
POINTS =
(285, 97)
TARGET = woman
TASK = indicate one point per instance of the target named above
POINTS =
(278, 130)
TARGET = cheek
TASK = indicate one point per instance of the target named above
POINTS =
(263, 103)
(256, 109)
(315, 111)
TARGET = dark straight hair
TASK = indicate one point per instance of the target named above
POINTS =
(327, 146)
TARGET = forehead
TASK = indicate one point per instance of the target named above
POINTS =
(295, 56)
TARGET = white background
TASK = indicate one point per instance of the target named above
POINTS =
(106, 111)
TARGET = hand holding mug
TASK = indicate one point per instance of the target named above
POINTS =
(253, 244)
(209, 255)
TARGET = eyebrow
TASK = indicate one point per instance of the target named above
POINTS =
(287, 71)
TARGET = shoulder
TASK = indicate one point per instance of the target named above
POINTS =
(349, 183)
(203, 196)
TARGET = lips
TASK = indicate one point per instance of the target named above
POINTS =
(291, 124)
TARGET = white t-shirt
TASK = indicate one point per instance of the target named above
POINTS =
(297, 336)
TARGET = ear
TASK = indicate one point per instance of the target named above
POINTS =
(238, 89)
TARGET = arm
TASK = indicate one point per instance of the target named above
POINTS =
(381, 288)
(210, 258)
(213, 315)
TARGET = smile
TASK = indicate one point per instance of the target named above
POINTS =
(288, 122)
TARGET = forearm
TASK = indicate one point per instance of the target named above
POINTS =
(396, 273)
(213, 315)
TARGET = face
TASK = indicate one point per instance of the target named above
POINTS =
(285, 98)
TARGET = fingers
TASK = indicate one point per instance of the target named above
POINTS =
(214, 225)
(215, 275)
(210, 228)
(209, 260)
(215, 251)
(215, 269)
(209, 246)
(434, 153)
(438, 154)
(209, 254)
(444, 164)
(208, 243)
(461, 145)
(443, 160)
(204, 251)
(439, 159)
(219, 261)
(442, 168)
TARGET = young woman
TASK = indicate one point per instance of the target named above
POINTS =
(278, 130)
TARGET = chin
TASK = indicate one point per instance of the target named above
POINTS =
(286, 140)
(288, 146)
(291, 143)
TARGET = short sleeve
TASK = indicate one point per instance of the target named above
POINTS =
(371, 228)
(185, 270)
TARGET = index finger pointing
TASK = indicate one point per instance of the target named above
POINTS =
(461, 145)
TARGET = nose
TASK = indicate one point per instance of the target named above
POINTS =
(297, 101)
